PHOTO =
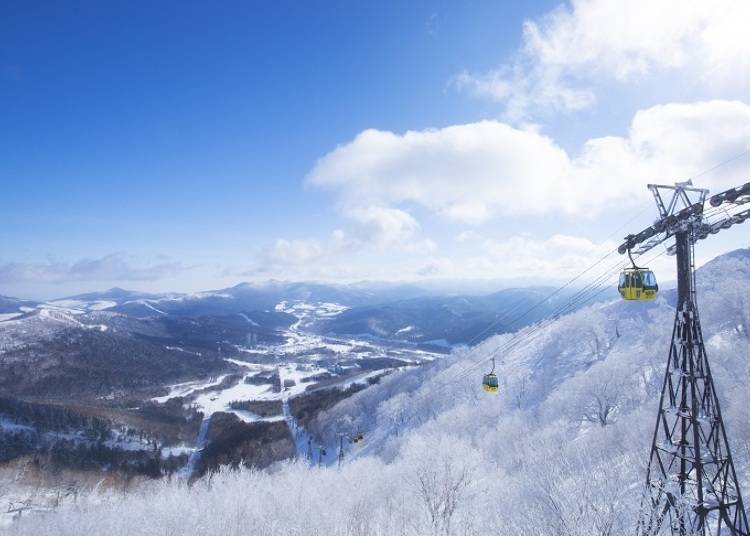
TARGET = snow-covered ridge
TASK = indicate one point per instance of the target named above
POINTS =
(96, 305)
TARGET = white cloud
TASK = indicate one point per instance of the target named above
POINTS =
(374, 229)
(463, 172)
(467, 237)
(284, 251)
(384, 225)
(554, 257)
(521, 258)
(566, 50)
(474, 172)
(115, 267)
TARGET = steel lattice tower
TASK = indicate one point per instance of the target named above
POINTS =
(691, 484)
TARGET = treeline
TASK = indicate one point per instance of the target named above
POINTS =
(307, 406)
(263, 378)
(84, 455)
(97, 456)
(234, 443)
(263, 408)
(81, 363)
(49, 418)
(16, 443)
(170, 412)
(65, 438)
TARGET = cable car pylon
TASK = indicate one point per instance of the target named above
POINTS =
(691, 484)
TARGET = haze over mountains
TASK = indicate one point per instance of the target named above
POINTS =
(119, 339)
(387, 310)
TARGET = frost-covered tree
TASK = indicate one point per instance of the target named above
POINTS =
(600, 391)
(440, 475)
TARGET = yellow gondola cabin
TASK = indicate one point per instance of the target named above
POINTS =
(638, 284)
(489, 382)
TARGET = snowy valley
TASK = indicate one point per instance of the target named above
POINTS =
(109, 390)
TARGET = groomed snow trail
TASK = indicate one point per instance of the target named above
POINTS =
(200, 443)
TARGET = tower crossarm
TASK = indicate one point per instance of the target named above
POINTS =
(662, 229)
(691, 216)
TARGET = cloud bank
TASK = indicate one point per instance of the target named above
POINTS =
(563, 53)
(113, 267)
(475, 172)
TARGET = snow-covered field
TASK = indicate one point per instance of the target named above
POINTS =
(302, 309)
(187, 388)
(96, 305)
(298, 362)
(213, 398)
(215, 401)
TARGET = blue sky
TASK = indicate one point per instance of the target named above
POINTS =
(186, 145)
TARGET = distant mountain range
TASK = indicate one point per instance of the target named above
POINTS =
(402, 312)
(120, 339)
(451, 320)
(240, 298)
(10, 305)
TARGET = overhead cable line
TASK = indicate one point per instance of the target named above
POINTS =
(721, 164)
(476, 337)
(526, 335)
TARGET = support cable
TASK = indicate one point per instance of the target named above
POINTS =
(477, 337)
(524, 336)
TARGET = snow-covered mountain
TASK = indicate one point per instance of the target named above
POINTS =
(450, 320)
(561, 450)
(43, 351)
(13, 307)
(398, 312)
(239, 298)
